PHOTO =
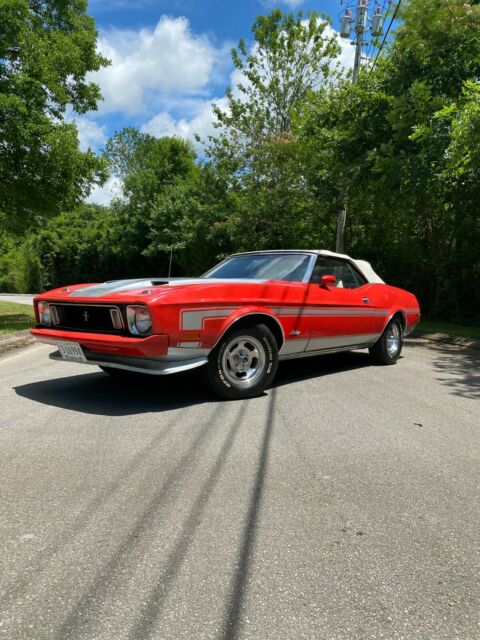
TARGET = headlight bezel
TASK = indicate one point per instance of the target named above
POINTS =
(139, 319)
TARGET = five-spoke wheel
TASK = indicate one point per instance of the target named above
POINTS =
(244, 362)
(388, 348)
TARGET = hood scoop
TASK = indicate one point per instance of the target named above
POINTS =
(113, 286)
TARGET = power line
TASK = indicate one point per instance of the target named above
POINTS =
(357, 15)
(385, 11)
(385, 36)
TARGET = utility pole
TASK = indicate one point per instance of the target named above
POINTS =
(360, 26)
(170, 263)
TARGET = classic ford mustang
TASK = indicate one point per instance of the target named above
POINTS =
(236, 321)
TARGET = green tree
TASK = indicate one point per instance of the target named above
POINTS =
(82, 245)
(290, 56)
(403, 134)
(463, 120)
(122, 151)
(163, 204)
(47, 47)
(255, 150)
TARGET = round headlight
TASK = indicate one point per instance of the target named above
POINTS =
(142, 321)
(44, 313)
(139, 321)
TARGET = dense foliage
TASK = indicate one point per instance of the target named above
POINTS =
(406, 137)
(296, 135)
(46, 49)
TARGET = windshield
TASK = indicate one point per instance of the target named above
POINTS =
(273, 266)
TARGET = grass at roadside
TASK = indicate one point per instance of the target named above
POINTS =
(15, 317)
(460, 330)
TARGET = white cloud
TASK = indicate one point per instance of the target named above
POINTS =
(200, 117)
(201, 122)
(145, 64)
(90, 134)
(161, 74)
(161, 125)
(104, 195)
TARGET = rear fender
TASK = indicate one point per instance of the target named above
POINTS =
(392, 314)
(410, 318)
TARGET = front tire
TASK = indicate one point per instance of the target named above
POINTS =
(244, 363)
(388, 348)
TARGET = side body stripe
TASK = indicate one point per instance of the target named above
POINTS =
(287, 311)
(194, 319)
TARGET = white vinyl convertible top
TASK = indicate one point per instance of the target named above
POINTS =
(363, 266)
(366, 268)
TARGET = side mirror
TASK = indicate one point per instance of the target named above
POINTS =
(328, 281)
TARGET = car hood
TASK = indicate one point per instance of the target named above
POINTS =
(148, 286)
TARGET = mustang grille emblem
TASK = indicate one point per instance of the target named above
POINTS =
(86, 316)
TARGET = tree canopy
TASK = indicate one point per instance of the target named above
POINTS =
(47, 47)
(289, 57)
(406, 136)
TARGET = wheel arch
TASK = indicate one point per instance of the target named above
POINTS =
(251, 319)
(401, 315)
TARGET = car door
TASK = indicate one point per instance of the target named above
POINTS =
(339, 315)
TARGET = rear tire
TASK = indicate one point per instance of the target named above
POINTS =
(244, 363)
(388, 348)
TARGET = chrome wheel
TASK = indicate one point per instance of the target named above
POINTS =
(243, 361)
(388, 347)
(393, 339)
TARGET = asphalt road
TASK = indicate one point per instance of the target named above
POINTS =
(342, 504)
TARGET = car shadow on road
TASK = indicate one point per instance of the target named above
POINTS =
(96, 393)
(456, 367)
(99, 394)
(291, 371)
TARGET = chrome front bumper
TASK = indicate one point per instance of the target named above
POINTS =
(152, 366)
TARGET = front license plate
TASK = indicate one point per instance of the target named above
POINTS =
(71, 351)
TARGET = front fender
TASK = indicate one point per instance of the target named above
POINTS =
(245, 312)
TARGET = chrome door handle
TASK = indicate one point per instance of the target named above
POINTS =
(366, 300)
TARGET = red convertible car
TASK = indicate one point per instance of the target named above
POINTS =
(236, 321)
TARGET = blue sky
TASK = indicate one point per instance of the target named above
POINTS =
(170, 61)
(222, 19)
